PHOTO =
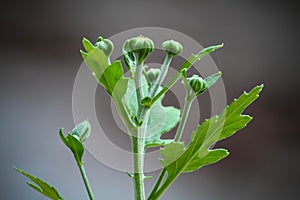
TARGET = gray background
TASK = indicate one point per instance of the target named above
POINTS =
(39, 56)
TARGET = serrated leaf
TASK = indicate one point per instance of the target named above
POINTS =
(161, 118)
(211, 157)
(194, 58)
(74, 144)
(41, 186)
(198, 154)
(82, 130)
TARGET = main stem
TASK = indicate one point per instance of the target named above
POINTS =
(86, 181)
(138, 149)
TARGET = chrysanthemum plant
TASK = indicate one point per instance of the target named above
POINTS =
(138, 100)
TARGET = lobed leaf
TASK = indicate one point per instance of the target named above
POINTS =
(177, 159)
(41, 186)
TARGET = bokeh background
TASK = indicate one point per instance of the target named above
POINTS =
(40, 42)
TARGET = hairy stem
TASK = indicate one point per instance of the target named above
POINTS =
(138, 149)
(86, 181)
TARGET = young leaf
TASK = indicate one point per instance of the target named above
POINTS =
(198, 154)
(74, 145)
(41, 186)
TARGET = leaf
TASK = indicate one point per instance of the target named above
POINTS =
(198, 153)
(82, 130)
(74, 144)
(111, 77)
(41, 186)
(107, 75)
(194, 58)
(212, 79)
(161, 118)
(211, 157)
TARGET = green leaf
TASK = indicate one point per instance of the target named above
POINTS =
(82, 130)
(177, 159)
(88, 45)
(212, 79)
(211, 157)
(111, 77)
(194, 58)
(41, 186)
(74, 144)
(161, 118)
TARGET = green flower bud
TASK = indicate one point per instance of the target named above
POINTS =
(141, 46)
(172, 47)
(153, 74)
(82, 131)
(198, 84)
(105, 45)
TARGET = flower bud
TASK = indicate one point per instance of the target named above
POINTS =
(153, 74)
(172, 47)
(105, 45)
(141, 46)
(198, 84)
(82, 131)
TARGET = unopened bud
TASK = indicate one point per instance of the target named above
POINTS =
(198, 84)
(172, 47)
(141, 46)
(152, 74)
(105, 45)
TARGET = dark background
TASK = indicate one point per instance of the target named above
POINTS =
(40, 42)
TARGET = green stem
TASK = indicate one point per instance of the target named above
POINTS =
(139, 87)
(138, 149)
(161, 76)
(190, 96)
(157, 184)
(158, 82)
(163, 188)
(86, 181)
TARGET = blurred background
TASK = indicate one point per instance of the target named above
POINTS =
(40, 42)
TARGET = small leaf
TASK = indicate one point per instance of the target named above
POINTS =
(75, 145)
(82, 130)
(212, 79)
(41, 186)
(89, 47)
